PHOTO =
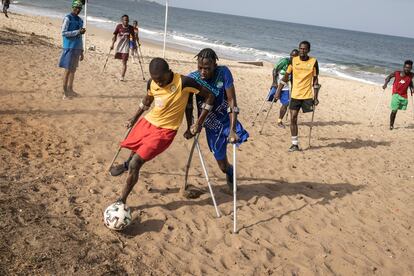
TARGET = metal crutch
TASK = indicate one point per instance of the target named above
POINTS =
(119, 149)
(234, 190)
(190, 157)
(140, 65)
(261, 108)
(311, 125)
(267, 115)
(106, 61)
(206, 175)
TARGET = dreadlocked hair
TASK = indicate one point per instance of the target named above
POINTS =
(207, 53)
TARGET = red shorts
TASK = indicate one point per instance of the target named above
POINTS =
(147, 140)
(122, 56)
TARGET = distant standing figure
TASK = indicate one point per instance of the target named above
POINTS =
(124, 33)
(72, 31)
(6, 5)
(402, 81)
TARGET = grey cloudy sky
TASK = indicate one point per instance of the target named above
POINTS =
(394, 17)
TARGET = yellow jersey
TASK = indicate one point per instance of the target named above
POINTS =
(303, 72)
(169, 103)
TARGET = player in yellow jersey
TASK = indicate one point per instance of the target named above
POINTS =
(305, 88)
(154, 133)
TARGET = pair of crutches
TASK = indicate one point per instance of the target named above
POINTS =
(139, 60)
(260, 110)
(196, 144)
(267, 114)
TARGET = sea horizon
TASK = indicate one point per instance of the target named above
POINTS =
(341, 53)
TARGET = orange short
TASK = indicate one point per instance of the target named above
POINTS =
(147, 140)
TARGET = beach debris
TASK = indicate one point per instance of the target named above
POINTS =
(256, 63)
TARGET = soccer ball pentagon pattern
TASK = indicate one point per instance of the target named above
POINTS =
(117, 216)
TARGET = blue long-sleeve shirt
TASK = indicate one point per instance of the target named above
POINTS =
(71, 27)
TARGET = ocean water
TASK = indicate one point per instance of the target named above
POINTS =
(364, 57)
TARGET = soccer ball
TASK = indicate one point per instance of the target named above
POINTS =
(117, 216)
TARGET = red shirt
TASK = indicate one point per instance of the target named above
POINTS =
(120, 30)
(123, 34)
(401, 84)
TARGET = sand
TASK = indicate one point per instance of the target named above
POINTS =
(342, 207)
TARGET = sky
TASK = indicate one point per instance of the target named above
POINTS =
(392, 17)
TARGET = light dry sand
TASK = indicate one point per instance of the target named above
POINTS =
(343, 207)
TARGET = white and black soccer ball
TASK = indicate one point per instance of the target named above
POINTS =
(117, 216)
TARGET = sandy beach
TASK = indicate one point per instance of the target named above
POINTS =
(342, 207)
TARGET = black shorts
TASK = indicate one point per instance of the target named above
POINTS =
(306, 105)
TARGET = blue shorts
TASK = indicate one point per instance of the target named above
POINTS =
(132, 44)
(70, 59)
(217, 140)
(284, 95)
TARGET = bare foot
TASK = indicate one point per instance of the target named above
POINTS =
(66, 96)
(73, 93)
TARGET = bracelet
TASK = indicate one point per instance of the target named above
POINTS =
(143, 106)
(206, 106)
(234, 109)
(317, 86)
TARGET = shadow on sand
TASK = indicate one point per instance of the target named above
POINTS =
(57, 112)
(253, 189)
(330, 123)
(354, 144)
